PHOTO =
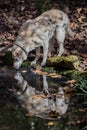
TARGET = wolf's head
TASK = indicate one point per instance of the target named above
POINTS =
(18, 55)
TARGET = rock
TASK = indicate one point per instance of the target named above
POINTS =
(68, 62)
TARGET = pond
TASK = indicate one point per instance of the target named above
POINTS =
(29, 101)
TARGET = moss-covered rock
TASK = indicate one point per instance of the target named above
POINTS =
(68, 62)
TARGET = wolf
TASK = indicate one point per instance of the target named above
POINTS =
(38, 32)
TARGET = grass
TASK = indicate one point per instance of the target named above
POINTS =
(82, 84)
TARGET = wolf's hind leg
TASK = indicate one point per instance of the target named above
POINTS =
(60, 36)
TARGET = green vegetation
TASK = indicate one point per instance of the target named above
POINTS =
(82, 84)
(25, 64)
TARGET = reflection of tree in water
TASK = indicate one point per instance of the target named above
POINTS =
(41, 103)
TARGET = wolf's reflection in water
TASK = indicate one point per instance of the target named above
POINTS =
(43, 103)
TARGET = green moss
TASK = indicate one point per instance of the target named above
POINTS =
(71, 72)
(25, 64)
(49, 69)
(69, 62)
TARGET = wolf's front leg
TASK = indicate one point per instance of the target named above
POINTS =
(45, 53)
(37, 56)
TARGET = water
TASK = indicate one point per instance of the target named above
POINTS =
(29, 101)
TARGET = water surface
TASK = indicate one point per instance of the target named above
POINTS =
(29, 101)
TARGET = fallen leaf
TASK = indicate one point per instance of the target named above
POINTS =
(81, 19)
(50, 123)
(84, 55)
(71, 81)
(79, 10)
(54, 75)
(40, 72)
(72, 24)
(81, 110)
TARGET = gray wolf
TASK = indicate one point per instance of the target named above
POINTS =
(38, 32)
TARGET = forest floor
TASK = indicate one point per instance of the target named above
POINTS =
(14, 13)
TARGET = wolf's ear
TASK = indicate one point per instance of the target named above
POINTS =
(16, 53)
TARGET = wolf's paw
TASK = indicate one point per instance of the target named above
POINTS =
(43, 64)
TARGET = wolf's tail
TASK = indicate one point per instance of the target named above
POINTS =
(69, 31)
